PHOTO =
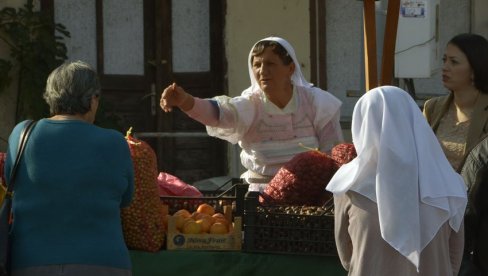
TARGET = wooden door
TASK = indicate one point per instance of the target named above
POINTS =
(189, 51)
(140, 47)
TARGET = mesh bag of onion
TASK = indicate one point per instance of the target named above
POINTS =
(301, 181)
(142, 220)
(343, 153)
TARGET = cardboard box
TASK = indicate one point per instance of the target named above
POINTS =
(222, 242)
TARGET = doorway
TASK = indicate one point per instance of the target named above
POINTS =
(140, 47)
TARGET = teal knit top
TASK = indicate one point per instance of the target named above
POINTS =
(71, 183)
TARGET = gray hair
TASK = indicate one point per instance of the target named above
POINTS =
(70, 88)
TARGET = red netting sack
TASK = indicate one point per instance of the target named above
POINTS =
(343, 153)
(301, 181)
(142, 220)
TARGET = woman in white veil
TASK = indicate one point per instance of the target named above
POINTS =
(399, 205)
(271, 118)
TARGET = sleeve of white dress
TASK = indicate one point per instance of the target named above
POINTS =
(456, 249)
(235, 117)
(205, 112)
(225, 117)
(331, 134)
(341, 225)
(327, 122)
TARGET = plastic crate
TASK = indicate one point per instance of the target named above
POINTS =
(297, 230)
(230, 193)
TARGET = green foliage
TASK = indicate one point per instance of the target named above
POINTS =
(36, 47)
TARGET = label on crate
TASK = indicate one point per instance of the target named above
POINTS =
(204, 242)
(230, 241)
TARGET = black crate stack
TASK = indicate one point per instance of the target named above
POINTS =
(303, 230)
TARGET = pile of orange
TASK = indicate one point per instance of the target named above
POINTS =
(203, 220)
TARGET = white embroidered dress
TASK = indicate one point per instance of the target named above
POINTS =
(270, 136)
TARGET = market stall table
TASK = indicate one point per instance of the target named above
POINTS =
(235, 263)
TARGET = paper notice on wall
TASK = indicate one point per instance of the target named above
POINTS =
(412, 8)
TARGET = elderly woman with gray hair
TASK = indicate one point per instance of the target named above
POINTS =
(71, 183)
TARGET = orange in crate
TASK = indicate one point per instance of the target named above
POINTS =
(206, 209)
(219, 228)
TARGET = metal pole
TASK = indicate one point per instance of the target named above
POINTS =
(169, 134)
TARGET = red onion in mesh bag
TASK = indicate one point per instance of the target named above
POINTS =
(301, 181)
(343, 153)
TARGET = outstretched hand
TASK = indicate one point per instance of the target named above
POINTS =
(174, 95)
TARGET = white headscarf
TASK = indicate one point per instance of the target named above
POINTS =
(401, 167)
(297, 78)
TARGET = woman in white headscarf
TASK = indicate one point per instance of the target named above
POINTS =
(399, 204)
(271, 118)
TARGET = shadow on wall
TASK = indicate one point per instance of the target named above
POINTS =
(347, 135)
(346, 128)
(3, 144)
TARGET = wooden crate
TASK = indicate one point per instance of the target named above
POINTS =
(176, 240)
